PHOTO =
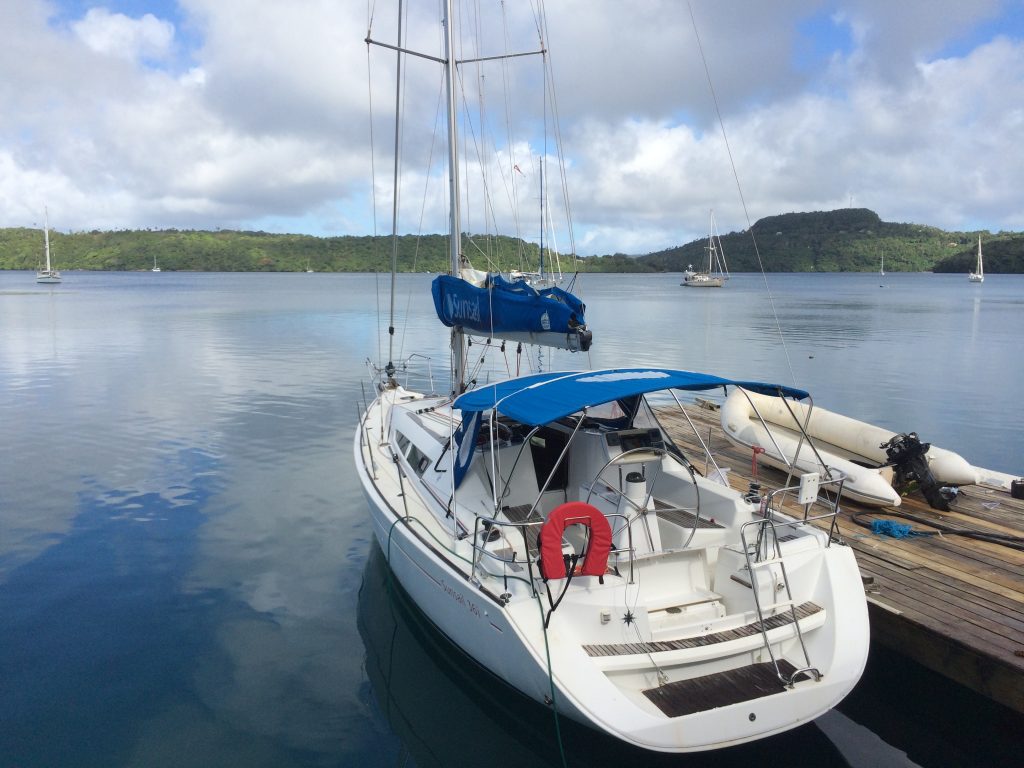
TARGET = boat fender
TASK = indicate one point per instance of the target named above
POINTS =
(549, 540)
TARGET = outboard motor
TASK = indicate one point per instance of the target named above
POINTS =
(907, 458)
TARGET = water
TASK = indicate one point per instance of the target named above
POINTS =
(187, 571)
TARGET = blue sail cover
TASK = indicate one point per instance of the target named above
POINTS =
(547, 397)
(503, 309)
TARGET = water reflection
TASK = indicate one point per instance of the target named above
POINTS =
(182, 538)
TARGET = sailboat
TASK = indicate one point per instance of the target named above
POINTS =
(978, 275)
(881, 269)
(716, 273)
(49, 274)
(549, 527)
(155, 267)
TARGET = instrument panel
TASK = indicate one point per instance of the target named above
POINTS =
(631, 439)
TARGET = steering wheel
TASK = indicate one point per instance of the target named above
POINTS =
(657, 454)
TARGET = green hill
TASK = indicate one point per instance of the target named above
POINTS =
(846, 240)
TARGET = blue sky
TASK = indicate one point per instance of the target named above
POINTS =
(254, 114)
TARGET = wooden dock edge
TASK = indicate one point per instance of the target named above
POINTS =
(946, 656)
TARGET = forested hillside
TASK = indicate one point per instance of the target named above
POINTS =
(847, 240)
(230, 251)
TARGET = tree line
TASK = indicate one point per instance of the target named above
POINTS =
(846, 240)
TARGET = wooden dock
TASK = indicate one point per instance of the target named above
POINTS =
(953, 603)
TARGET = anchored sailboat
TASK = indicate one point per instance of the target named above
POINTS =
(716, 273)
(48, 274)
(978, 275)
(549, 527)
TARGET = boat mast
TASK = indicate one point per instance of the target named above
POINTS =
(711, 240)
(46, 237)
(540, 269)
(458, 338)
(389, 369)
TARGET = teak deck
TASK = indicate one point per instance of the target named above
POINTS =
(952, 603)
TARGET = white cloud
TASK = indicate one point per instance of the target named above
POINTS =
(115, 34)
(243, 114)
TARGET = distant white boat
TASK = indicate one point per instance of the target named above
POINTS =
(881, 269)
(717, 273)
(49, 274)
(155, 267)
(978, 275)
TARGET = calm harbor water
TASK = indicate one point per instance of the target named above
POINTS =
(187, 571)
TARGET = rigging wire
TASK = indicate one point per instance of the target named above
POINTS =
(549, 84)
(513, 165)
(739, 188)
(396, 196)
(373, 173)
(423, 209)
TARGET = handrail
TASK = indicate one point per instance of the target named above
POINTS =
(832, 514)
(766, 531)
(767, 551)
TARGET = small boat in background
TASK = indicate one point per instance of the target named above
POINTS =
(48, 274)
(717, 272)
(978, 275)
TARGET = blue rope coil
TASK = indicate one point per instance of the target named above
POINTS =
(892, 528)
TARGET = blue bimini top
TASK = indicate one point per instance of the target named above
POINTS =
(546, 397)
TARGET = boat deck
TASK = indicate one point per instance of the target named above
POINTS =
(953, 603)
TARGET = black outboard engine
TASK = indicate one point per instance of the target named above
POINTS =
(906, 457)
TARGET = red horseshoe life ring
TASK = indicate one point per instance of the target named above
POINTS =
(552, 565)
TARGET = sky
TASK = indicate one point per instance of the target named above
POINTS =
(277, 116)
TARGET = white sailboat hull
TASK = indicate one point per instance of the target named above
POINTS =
(504, 632)
(703, 281)
(845, 445)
